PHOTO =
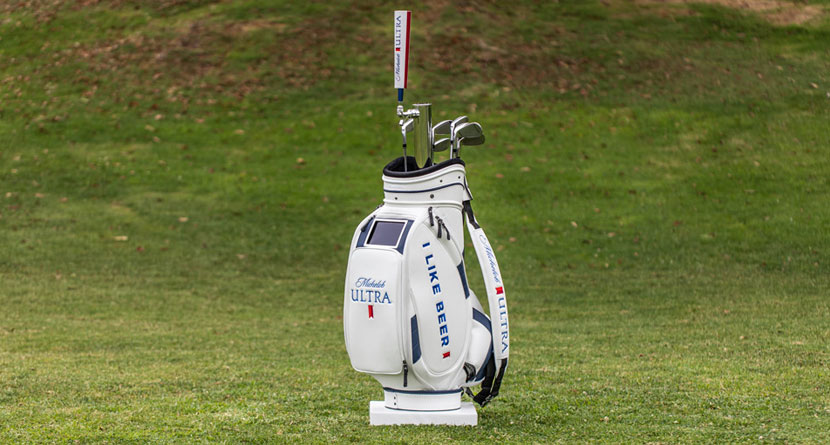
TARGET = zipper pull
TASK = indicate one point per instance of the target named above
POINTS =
(405, 372)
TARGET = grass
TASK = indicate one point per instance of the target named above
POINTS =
(180, 181)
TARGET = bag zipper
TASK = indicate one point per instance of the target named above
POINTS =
(405, 372)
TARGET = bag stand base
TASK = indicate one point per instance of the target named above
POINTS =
(379, 414)
(422, 400)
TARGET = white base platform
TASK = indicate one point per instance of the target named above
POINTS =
(379, 414)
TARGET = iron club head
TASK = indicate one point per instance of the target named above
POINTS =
(457, 121)
(467, 132)
(441, 144)
(473, 141)
(442, 127)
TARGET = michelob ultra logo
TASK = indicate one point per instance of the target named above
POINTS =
(370, 291)
(499, 288)
(491, 258)
(402, 21)
(370, 296)
(370, 282)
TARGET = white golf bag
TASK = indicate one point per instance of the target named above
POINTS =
(409, 318)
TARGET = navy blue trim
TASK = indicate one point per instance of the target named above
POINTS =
(420, 410)
(403, 391)
(402, 242)
(364, 232)
(416, 339)
(463, 276)
(424, 190)
(396, 168)
(481, 318)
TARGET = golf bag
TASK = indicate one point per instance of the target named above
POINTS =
(409, 318)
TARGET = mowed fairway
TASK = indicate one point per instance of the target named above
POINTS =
(179, 183)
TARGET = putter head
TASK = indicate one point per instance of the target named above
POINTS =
(442, 127)
(441, 144)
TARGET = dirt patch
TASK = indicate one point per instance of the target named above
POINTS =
(502, 56)
(195, 56)
(778, 12)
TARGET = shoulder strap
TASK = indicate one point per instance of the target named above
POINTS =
(498, 308)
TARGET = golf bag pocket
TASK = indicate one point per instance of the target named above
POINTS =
(372, 314)
(439, 309)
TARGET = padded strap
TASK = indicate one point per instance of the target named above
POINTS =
(496, 296)
(497, 362)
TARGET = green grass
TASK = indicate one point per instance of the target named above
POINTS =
(655, 181)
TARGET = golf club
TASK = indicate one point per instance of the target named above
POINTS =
(473, 141)
(456, 122)
(406, 127)
(469, 141)
(442, 127)
(467, 130)
(441, 145)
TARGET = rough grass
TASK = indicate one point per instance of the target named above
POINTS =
(179, 182)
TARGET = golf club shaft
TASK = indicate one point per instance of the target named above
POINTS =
(404, 151)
